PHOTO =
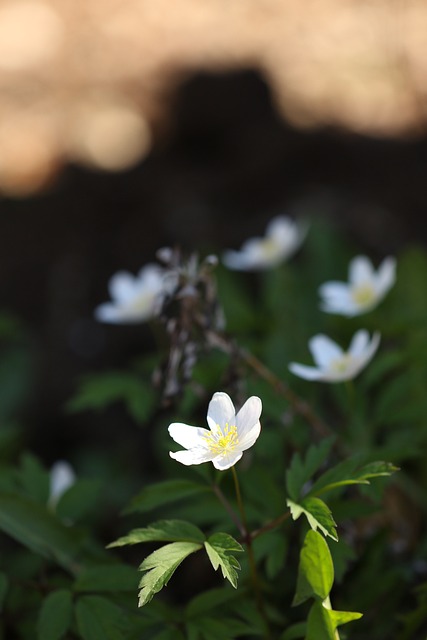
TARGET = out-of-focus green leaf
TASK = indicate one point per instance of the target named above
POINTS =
(34, 478)
(55, 615)
(301, 470)
(349, 472)
(100, 619)
(160, 566)
(35, 527)
(162, 531)
(315, 570)
(219, 546)
(78, 500)
(100, 390)
(166, 492)
(205, 602)
(294, 632)
(318, 514)
(110, 577)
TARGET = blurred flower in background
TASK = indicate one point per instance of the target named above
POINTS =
(89, 81)
(282, 238)
(62, 477)
(365, 289)
(334, 364)
(134, 298)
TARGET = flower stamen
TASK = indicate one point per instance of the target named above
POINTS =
(223, 440)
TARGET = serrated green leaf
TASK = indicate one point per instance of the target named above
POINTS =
(100, 619)
(218, 547)
(35, 527)
(112, 577)
(160, 566)
(162, 531)
(4, 586)
(322, 622)
(315, 570)
(163, 493)
(55, 615)
(318, 514)
(349, 472)
(100, 390)
(301, 470)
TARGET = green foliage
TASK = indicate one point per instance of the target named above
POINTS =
(301, 469)
(315, 580)
(166, 492)
(100, 619)
(98, 391)
(219, 547)
(55, 615)
(318, 514)
(162, 531)
(160, 566)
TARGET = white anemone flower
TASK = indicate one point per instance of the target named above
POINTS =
(365, 289)
(228, 436)
(134, 298)
(282, 238)
(62, 477)
(334, 364)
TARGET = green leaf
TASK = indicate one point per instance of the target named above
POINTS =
(100, 619)
(315, 570)
(4, 586)
(322, 622)
(218, 547)
(160, 566)
(78, 500)
(100, 390)
(208, 600)
(348, 472)
(301, 470)
(294, 631)
(111, 577)
(55, 615)
(35, 527)
(318, 514)
(163, 493)
(162, 531)
(34, 478)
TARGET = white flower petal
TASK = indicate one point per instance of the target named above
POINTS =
(193, 456)
(227, 460)
(62, 477)
(324, 350)
(186, 435)
(248, 416)
(303, 371)
(108, 312)
(250, 437)
(221, 410)
(361, 270)
(122, 286)
(359, 343)
(386, 276)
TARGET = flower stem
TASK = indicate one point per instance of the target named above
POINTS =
(247, 538)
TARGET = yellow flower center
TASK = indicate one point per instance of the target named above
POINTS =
(223, 440)
(142, 303)
(269, 247)
(363, 294)
(342, 364)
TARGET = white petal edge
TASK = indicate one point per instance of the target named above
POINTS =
(361, 270)
(220, 410)
(186, 435)
(227, 461)
(303, 371)
(122, 286)
(193, 456)
(359, 343)
(248, 416)
(324, 350)
(250, 437)
(386, 276)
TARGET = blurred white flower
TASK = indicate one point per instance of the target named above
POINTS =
(334, 364)
(62, 477)
(227, 437)
(134, 298)
(282, 238)
(365, 289)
